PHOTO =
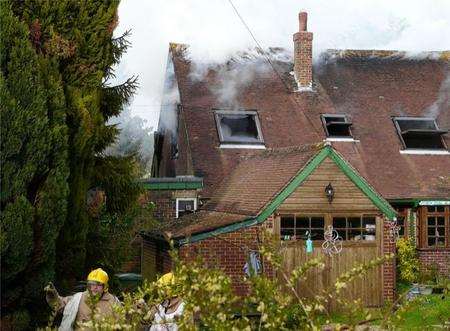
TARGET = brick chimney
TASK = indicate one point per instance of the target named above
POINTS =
(303, 54)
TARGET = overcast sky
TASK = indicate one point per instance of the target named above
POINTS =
(214, 31)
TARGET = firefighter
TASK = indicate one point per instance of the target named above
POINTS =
(77, 308)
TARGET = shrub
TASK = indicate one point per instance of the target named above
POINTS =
(407, 260)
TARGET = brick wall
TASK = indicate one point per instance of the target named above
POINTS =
(229, 252)
(389, 268)
(441, 258)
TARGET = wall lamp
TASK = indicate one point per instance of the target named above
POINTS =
(329, 192)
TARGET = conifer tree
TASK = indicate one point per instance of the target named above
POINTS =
(56, 59)
(34, 171)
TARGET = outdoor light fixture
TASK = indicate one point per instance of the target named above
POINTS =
(329, 192)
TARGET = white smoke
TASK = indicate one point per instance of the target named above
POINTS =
(443, 100)
(135, 137)
(215, 33)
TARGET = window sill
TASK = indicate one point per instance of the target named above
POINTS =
(335, 139)
(428, 249)
(242, 146)
(424, 152)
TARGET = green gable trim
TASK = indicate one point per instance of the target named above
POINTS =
(298, 179)
(173, 186)
(303, 174)
(228, 228)
(376, 199)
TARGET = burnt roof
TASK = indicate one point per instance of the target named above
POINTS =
(369, 86)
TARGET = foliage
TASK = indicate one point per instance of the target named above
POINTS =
(56, 59)
(408, 263)
(271, 303)
(34, 171)
(110, 235)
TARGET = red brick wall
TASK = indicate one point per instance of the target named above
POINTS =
(389, 268)
(441, 258)
(164, 202)
(229, 252)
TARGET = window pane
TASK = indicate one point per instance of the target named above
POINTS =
(368, 220)
(440, 209)
(431, 221)
(431, 231)
(354, 235)
(441, 221)
(287, 232)
(317, 234)
(440, 231)
(440, 241)
(431, 209)
(287, 221)
(354, 222)
(431, 241)
(342, 234)
(301, 233)
(317, 222)
(339, 222)
(302, 222)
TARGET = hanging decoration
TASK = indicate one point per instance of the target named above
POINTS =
(333, 242)
(253, 265)
(309, 243)
(394, 230)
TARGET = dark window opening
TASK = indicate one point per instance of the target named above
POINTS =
(185, 206)
(355, 228)
(337, 126)
(297, 227)
(240, 127)
(419, 133)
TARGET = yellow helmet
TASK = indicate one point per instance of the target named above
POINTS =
(100, 276)
(166, 279)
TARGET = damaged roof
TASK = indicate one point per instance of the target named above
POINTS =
(371, 87)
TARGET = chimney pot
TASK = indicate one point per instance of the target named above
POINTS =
(303, 21)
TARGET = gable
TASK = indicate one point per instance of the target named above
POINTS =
(306, 184)
(310, 195)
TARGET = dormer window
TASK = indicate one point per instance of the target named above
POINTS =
(336, 126)
(419, 133)
(238, 128)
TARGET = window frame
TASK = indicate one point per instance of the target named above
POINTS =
(309, 228)
(346, 121)
(328, 220)
(218, 113)
(395, 119)
(424, 214)
(184, 199)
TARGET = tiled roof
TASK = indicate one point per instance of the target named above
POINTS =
(370, 86)
(258, 179)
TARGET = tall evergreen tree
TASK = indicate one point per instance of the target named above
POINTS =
(57, 57)
(34, 171)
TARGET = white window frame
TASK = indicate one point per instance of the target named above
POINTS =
(337, 138)
(236, 144)
(185, 199)
(418, 151)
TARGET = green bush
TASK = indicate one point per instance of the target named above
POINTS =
(407, 263)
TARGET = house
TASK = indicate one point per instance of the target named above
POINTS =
(358, 141)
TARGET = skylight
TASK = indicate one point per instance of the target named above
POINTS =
(238, 127)
(419, 133)
(336, 126)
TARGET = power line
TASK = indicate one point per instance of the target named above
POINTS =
(270, 62)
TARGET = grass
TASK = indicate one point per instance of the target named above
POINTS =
(429, 312)
(426, 313)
